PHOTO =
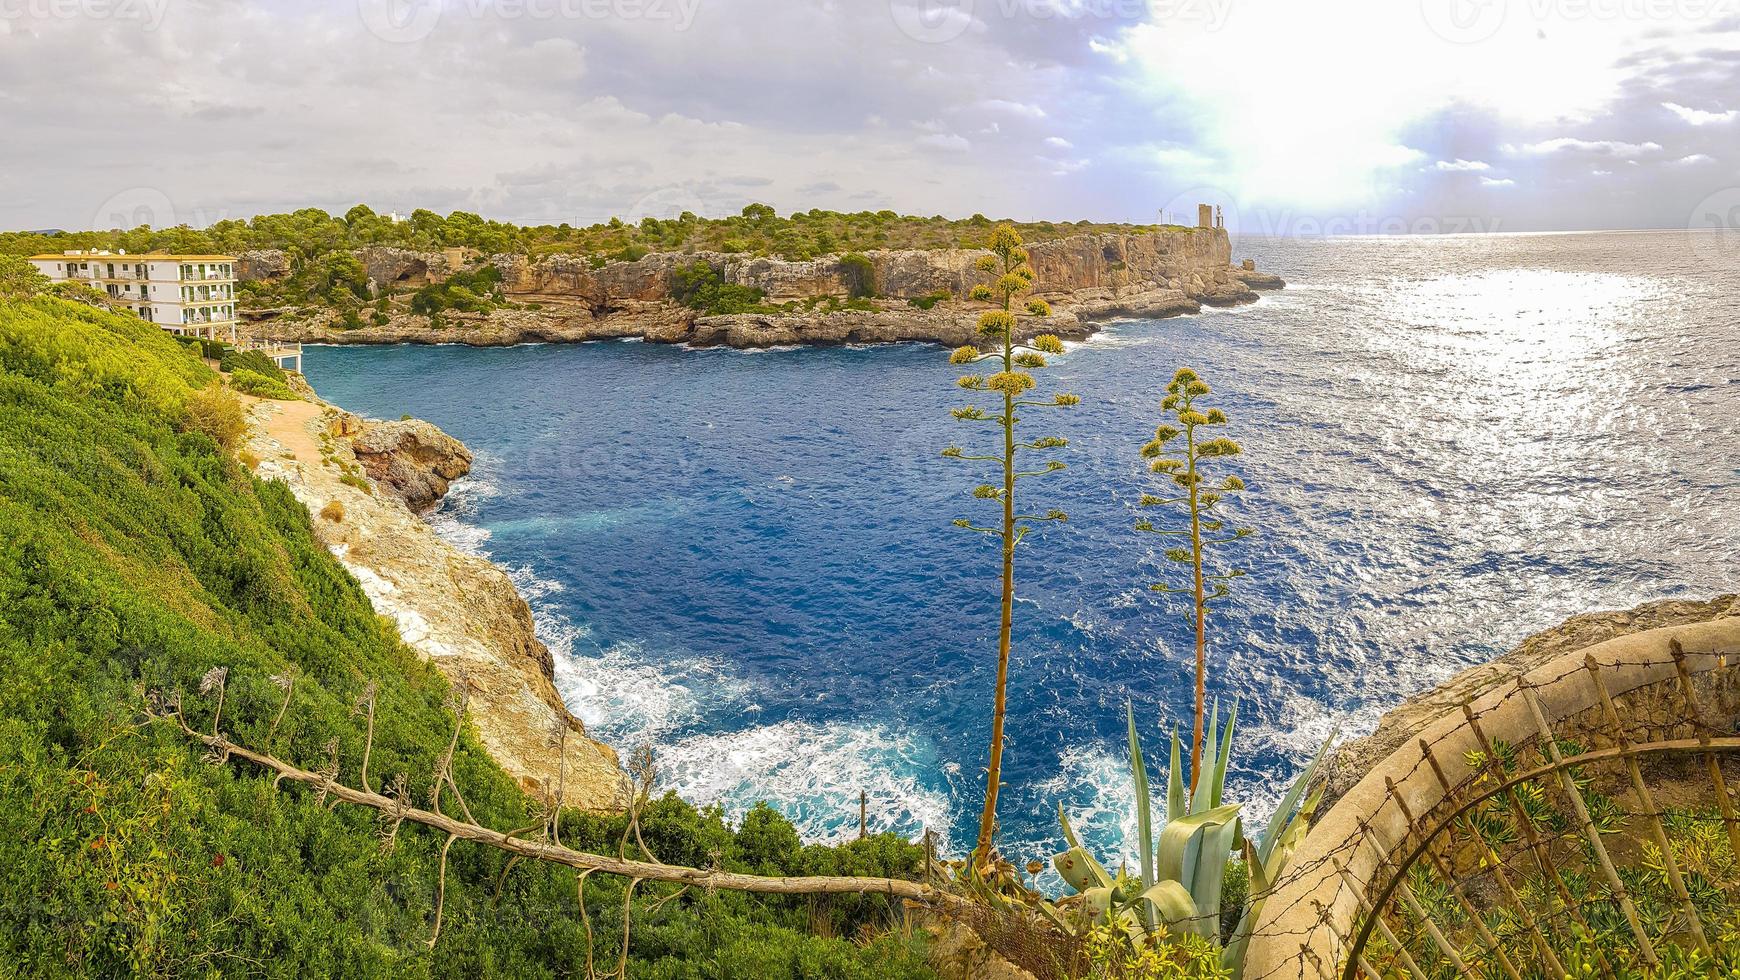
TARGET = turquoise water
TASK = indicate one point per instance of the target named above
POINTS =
(745, 559)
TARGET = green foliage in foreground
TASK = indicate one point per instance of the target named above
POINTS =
(135, 555)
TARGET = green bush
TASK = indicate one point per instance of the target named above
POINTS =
(137, 556)
(929, 300)
(701, 287)
(251, 360)
(478, 291)
(860, 276)
(260, 386)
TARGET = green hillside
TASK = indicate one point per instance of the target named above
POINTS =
(135, 555)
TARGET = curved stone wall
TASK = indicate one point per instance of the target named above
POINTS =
(1308, 921)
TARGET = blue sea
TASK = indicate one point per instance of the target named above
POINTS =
(746, 559)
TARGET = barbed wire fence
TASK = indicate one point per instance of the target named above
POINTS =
(1605, 843)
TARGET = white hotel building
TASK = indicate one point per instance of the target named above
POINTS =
(184, 294)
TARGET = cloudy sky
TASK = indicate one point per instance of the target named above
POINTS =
(1295, 115)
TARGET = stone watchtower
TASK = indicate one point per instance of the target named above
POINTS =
(1205, 216)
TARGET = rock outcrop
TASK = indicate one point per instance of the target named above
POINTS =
(1353, 759)
(416, 460)
(457, 610)
(570, 298)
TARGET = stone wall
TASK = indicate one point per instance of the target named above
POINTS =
(1304, 926)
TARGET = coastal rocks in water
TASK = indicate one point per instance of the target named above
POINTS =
(413, 458)
(1353, 759)
(457, 610)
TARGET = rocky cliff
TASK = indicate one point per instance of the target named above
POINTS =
(360, 480)
(570, 298)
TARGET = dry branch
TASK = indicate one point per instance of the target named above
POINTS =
(397, 812)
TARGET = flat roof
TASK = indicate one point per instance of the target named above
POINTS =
(132, 257)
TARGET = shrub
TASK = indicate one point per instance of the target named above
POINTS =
(701, 287)
(249, 383)
(929, 300)
(251, 360)
(333, 511)
(216, 413)
(860, 275)
(466, 292)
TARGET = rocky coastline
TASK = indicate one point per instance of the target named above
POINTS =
(365, 483)
(919, 296)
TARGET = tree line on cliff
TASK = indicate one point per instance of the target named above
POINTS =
(309, 234)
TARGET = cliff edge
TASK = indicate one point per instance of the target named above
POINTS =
(360, 480)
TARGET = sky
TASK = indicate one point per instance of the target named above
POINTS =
(1297, 117)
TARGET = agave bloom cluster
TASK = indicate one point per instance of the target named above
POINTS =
(1184, 465)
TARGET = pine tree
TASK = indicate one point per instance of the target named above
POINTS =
(1009, 384)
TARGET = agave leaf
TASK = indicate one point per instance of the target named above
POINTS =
(1175, 804)
(1078, 856)
(1259, 874)
(1080, 870)
(1203, 796)
(1171, 901)
(1144, 818)
(1097, 903)
(1220, 762)
(1177, 838)
(1284, 813)
(1212, 856)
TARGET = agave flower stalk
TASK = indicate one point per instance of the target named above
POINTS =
(1187, 469)
(1009, 386)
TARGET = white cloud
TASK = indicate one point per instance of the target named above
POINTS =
(1695, 159)
(1497, 182)
(1617, 148)
(1460, 165)
(1059, 142)
(1699, 117)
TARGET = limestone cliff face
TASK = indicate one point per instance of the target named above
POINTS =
(1086, 278)
(457, 610)
(1192, 260)
(1353, 759)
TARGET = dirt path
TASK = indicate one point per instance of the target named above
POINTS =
(289, 424)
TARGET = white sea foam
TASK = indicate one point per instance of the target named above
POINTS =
(814, 773)
(630, 700)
